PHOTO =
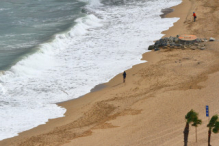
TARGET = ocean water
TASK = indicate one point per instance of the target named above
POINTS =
(52, 52)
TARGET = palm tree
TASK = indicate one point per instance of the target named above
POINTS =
(213, 124)
(216, 127)
(196, 122)
(190, 117)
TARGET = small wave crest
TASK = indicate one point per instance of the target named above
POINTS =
(33, 65)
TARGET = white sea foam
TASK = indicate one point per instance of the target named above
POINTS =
(92, 52)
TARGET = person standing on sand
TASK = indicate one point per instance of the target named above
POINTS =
(194, 15)
(124, 76)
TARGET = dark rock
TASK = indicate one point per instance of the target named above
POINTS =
(212, 39)
(175, 42)
(156, 49)
(172, 44)
(170, 39)
(166, 38)
(157, 42)
(175, 39)
(178, 45)
(198, 40)
(151, 47)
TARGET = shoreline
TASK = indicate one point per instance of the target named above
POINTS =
(104, 85)
(147, 56)
(101, 86)
(165, 12)
(111, 107)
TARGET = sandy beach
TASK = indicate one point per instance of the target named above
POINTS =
(149, 108)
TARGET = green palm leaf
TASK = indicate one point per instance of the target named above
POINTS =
(212, 121)
(216, 127)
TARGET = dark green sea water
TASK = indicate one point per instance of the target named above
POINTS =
(24, 24)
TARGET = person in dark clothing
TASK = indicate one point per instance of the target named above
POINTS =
(124, 76)
(194, 15)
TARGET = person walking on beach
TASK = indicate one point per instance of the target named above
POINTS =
(124, 76)
(194, 15)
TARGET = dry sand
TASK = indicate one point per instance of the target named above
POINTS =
(149, 109)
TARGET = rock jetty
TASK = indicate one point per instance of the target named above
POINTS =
(177, 43)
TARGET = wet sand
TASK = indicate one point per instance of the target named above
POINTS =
(165, 12)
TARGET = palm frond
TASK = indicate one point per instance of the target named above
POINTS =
(190, 116)
(216, 127)
(212, 121)
(196, 122)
